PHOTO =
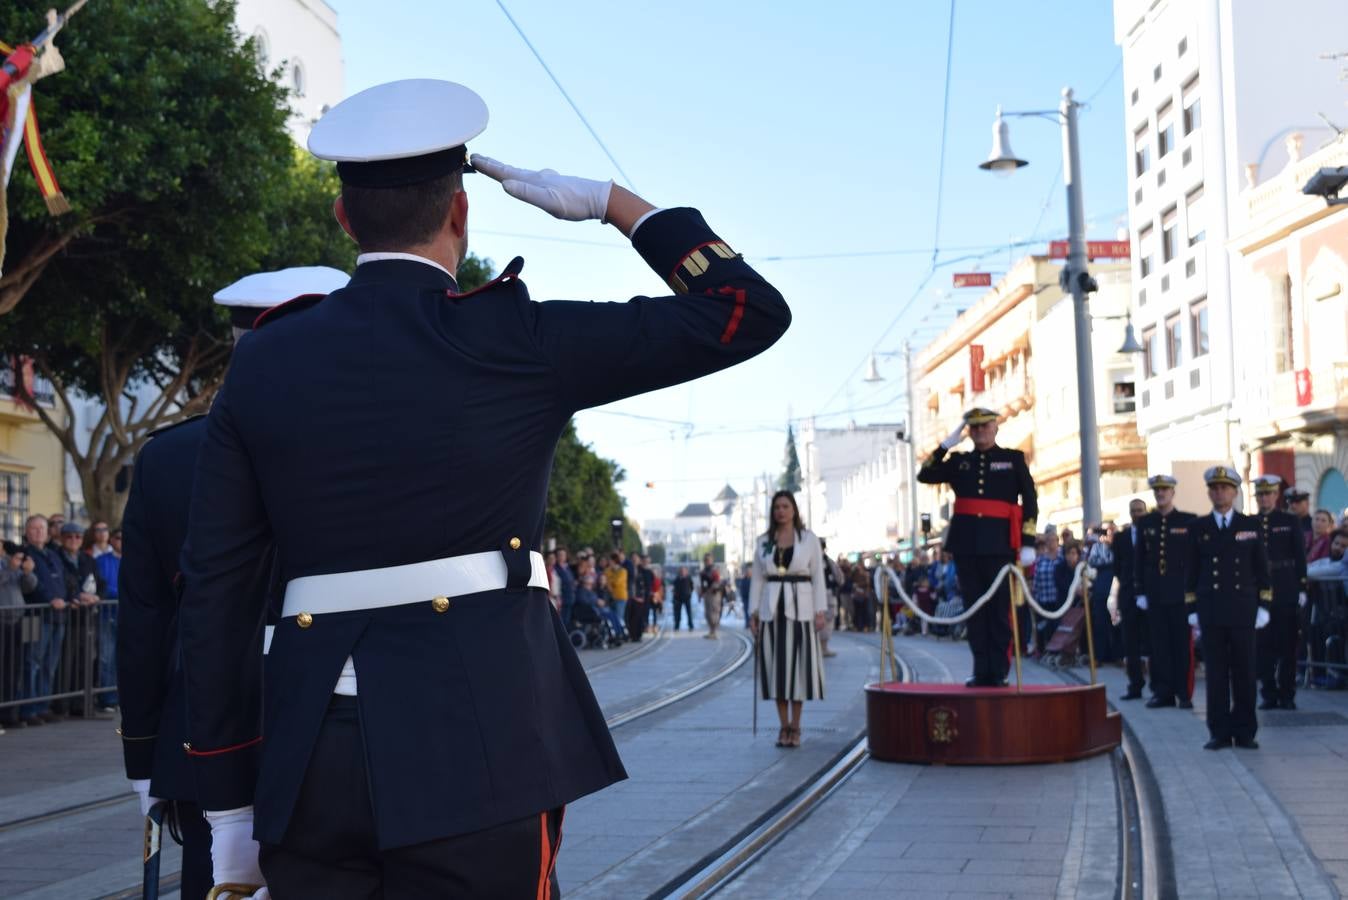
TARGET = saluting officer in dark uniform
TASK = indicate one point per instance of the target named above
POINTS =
(1162, 554)
(1227, 585)
(426, 718)
(993, 522)
(154, 525)
(1276, 645)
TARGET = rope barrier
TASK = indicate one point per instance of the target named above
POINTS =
(1082, 572)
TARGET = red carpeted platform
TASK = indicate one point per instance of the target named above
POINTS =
(955, 725)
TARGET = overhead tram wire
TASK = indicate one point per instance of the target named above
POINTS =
(576, 109)
(945, 127)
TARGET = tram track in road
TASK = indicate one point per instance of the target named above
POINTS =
(1145, 866)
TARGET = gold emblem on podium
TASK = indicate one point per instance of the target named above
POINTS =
(941, 725)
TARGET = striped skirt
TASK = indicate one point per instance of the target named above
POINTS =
(789, 666)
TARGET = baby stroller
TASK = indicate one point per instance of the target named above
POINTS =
(1064, 647)
(589, 628)
(951, 606)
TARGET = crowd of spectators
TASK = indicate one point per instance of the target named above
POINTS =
(58, 621)
(625, 591)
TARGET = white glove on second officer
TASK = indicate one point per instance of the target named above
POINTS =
(233, 850)
(142, 788)
(1026, 556)
(1141, 601)
(1193, 620)
(563, 196)
(1301, 599)
(955, 437)
(1261, 618)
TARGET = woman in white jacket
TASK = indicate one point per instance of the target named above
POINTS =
(789, 604)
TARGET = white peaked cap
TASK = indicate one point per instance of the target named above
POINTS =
(263, 290)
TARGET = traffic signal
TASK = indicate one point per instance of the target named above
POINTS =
(926, 524)
(617, 526)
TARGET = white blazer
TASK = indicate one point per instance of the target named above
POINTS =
(803, 598)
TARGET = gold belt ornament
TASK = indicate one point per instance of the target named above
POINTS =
(228, 890)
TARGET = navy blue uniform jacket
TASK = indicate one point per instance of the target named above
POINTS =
(1162, 556)
(398, 421)
(1285, 547)
(1227, 577)
(1000, 473)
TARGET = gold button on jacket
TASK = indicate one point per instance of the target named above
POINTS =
(440, 604)
(304, 620)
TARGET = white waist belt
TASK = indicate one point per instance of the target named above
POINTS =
(420, 582)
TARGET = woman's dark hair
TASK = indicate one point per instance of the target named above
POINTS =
(795, 514)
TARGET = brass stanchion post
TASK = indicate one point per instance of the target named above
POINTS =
(1090, 632)
(1016, 602)
(886, 639)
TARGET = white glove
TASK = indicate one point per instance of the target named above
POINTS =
(233, 850)
(1301, 599)
(1141, 601)
(955, 436)
(142, 789)
(1261, 618)
(1027, 556)
(1193, 619)
(563, 196)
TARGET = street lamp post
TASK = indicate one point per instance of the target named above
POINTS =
(910, 432)
(1075, 278)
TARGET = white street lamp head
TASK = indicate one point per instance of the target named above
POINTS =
(1001, 160)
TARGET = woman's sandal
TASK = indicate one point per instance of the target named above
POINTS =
(793, 736)
(784, 736)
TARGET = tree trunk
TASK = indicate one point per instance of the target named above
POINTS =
(101, 498)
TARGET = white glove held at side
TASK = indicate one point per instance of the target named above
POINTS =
(1193, 619)
(1141, 601)
(1301, 599)
(233, 850)
(1261, 618)
(954, 437)
(563, 196)
(142, 789)
(1027, 556)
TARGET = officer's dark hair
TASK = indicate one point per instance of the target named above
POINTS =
(395, 218)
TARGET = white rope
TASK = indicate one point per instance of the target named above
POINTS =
(1081, 571)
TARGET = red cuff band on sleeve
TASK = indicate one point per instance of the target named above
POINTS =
(245, 745)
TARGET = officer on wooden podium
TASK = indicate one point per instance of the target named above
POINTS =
(1276, 645)
(154, 525)
(993, 523)
(1227, 592)
(426, 719)
(1162, 552)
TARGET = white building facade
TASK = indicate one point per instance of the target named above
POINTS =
(300, 38)
(854, 484)
(1208, 102)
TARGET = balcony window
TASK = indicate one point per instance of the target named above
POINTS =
(1169, 221)
(1173, 338)
(1149, 352)
(1141, 152)
(1193, 110)
(1165, 130)
(13, 504)
(1198, 328)
(1146, 243)
(1194, 213)
(1125, 397)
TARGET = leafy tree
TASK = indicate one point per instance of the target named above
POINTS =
(171, 145)
(790, 480)
(583, 496)
(657, 554)
(716, 550)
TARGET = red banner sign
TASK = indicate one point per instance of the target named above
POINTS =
(973, 279)
(976, 382)
(1304, 395)
(1094, 250)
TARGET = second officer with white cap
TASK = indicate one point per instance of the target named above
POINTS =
(426, 717)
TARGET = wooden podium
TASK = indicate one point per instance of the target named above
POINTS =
(955, 725)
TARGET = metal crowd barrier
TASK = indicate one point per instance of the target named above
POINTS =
(59, 661)
(1324, 628)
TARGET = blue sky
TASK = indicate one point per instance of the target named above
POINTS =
(799, 129)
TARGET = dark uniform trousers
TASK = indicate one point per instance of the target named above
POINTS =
(981, 541)
(1276, 643)
(1226, 581)
(330, 849)
(1159, 572)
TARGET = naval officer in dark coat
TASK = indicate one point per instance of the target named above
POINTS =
(1158, 579)
(993, 524)
(1276, 645)
(154, 525)
(426, 718)
(1227, 590)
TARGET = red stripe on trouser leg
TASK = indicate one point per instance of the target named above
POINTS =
(544, 858)
(1189, 681)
